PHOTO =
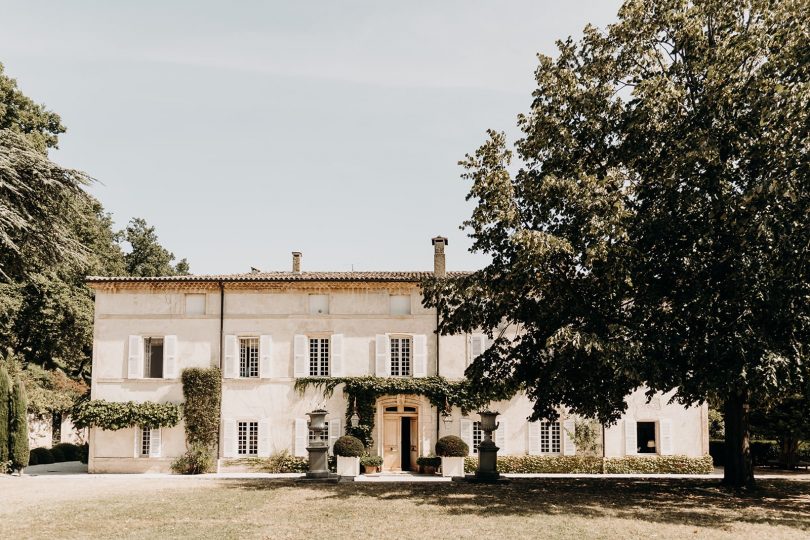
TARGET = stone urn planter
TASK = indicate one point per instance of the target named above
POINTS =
(452, 466)
(348, 466)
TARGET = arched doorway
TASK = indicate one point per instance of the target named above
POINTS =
(400, 432)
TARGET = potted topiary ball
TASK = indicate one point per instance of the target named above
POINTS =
(452, 450)
(371, 463)
(348, 450)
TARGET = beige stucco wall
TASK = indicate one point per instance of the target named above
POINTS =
(359, 313)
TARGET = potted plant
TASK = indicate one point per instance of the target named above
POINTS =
(371, 463)
(348, 450)
(428, 464)
(452, 451)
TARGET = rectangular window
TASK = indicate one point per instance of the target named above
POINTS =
(400, 305)
(477, 436)
(645, 438)
(153, 358)
(549, 437)
(249, 357)
(401, 356)
(195, 304)
(146, 441)
(247, 443)
(318, 304)
(319, 357)
(324, 436)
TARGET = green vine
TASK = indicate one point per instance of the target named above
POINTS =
(111, 416)
(202, 390)
(442, 394)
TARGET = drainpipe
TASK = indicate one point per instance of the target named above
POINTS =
(438, 371)
(221, 321)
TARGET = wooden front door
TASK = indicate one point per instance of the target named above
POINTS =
(391, 443)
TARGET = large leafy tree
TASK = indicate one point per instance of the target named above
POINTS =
(655, 230)
(146, 256)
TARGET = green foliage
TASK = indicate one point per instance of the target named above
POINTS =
(451, 446)
(594, 465)
(348, 446)
(371, 461)
(202, 390)
(716, 425)
(364, 391)
(67, 451)
(112, 416)
(430, 461)
(5, 412)
(18, 428)
(587, 437)
(20, 114)
(147, 257)
(40, 456)
(196, 460)
(282, 462)
(654, 231)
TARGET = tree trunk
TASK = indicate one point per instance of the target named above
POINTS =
(788, 449)
(739, 469)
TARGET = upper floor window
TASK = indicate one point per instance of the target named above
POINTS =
(319, 357)
(318, 304)
(477, 436)
(153, 358)
(247, 441)
(401, 348)
(400, 305)
(549, 437)
(249, 357)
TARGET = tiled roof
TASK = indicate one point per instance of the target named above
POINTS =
(414, 277)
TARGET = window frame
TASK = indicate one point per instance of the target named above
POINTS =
(324, 342)
(145, 442)
(249, 361)
(147, 356)
(641, 447)
(477, 433)
(550, 437)
(251, 438)
(400, 339)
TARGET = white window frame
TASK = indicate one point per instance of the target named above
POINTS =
(322, 361)
(656, 438)
(550, 437)
(395, 342)
(477, 436)
(252, 362)
(249, 441)
(147, 357)
(145, 444)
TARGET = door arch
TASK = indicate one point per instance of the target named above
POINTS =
(400, 441)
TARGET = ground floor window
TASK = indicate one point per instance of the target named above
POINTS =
(477, 436)
(549, 437)
(146, 441)
(248, 439)
(645, 438)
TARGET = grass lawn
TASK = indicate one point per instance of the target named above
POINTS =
(136, 507)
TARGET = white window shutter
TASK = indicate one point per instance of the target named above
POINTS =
(336, 351)
(420, 355)
(630, 444)
(169, 357)
(500, 437)
(300, 356)
(569, 445)
(155, 442)
(230, 368)
(477, 346)
(665, 429)
(383, 353)
(135, 358)
(138, 437)
(229, 439)
(465, 427)
(534, 438)
(265, 356)
(301, 437)
(264, 439)
(334, 433)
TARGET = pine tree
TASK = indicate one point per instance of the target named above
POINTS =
(5, 396)
(18, 441)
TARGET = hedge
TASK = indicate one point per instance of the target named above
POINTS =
(59, 453)
(761, 452)
(593, 465)
(202, 391)
(113, 415)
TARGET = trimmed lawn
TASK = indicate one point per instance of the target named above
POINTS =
(137, 507)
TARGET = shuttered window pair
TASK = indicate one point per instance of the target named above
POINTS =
(401, 355)
(663, 442)
(467, 429)
(246, 437)
(552, 437)
(247, 441)
(318, 356)
(148, 442)
(303, 436)
(247, 357)
(152, 357)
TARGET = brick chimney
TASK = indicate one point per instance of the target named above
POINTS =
(297, 262)
(439, 268)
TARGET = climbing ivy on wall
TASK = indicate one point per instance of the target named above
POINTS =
(442, 394)
(202, 390)
(113, 416)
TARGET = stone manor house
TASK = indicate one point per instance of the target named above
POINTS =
(265, 329)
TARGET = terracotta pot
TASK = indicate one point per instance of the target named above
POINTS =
(370, 469)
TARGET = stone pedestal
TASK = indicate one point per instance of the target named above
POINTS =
(487, 462)
(318, 462)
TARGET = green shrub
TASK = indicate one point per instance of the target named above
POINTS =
(593, 465)
(59, 454)
(371, 461)
(284, 462)
(40, 456)
(429, 461)
(83, 453)
(451, 446)
(202, 391)
(18, 429)
(762, 452)
(348, 446)
(5, 418)
(113, 415)
(65, 452)
(196, 460)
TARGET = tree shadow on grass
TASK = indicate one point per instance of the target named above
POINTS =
(676, 501)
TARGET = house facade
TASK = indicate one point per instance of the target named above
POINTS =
(265, 330)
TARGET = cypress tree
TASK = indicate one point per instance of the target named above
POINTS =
(5, 397)
(18, 442)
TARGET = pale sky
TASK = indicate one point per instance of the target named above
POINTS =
(244, 131)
